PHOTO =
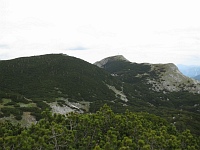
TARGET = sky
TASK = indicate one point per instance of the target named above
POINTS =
(150, 31)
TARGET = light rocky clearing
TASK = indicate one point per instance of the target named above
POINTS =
(27, 119)
(69, 107)
(118, 93)
(60, 109)
(104, 61)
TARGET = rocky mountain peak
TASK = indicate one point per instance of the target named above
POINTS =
(171, 79)
(104, 61)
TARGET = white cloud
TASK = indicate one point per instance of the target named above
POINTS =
(77, 48)
(143, 31)
(4, 46)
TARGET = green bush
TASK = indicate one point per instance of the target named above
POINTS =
(101, 130)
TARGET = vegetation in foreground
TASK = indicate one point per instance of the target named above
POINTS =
(101, 130)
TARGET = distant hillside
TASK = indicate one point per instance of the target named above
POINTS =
(190, 71)
(197, 77)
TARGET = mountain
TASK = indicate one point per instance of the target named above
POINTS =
(160, 88)
(57, 75)
(161, 77)
(190, 71)
(58, 82)
(62, 84)
(197, 77)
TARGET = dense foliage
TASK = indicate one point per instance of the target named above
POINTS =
(55, 75)
(181, 108)
(40, 80)
(101, 130)
(29, 84)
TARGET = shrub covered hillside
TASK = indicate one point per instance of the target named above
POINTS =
(157, 88)
(29, 85)
(101, 130)
(54, 75)
(62, 84)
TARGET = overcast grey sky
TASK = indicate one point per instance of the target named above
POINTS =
(154, 31)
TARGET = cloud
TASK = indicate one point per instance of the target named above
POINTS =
(78, 48)
(95, 32)
(4, 46)
(4, 56)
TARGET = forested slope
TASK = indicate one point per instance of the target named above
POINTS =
(101, 130)
(54, 75)
(29, 85)
(63, 84)
(159, 89)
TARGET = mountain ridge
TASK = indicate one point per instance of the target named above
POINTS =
(169, 75)
(63, 83)
(161, 86)
(53, 81)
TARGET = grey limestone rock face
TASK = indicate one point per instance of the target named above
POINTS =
(173, 80)
(104, 61)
